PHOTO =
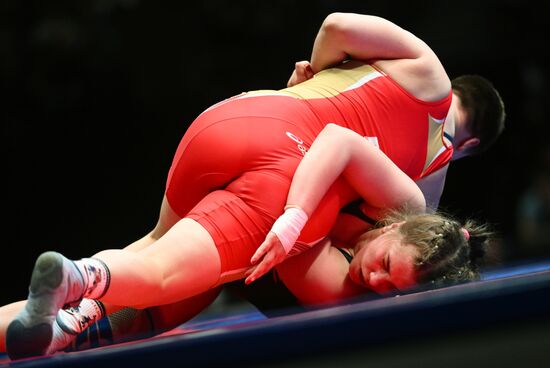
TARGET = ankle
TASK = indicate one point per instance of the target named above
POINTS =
(77, 319)
(96, 277)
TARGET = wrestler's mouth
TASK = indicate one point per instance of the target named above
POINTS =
(365, 279)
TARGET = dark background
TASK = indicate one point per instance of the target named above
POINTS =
(97, 94)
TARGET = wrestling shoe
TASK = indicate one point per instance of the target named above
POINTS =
(55, 282)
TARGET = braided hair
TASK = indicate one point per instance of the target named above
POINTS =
(449, 251)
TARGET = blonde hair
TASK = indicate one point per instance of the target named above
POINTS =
(449, 251)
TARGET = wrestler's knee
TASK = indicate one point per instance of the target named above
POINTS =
(186, 256)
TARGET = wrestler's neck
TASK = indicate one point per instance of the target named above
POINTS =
(456, 120)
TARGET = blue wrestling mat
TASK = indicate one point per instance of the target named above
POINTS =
(502, 320)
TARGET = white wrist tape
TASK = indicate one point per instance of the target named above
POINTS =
(289, 225)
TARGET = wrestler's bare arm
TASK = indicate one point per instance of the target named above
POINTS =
(340, 151)
(345, 36)
(396, 51)
(432, 187)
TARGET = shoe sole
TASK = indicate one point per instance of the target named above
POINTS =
(30, 333)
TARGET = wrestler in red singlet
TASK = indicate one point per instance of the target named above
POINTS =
(233, 168)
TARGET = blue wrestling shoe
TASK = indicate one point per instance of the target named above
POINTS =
(55, 282)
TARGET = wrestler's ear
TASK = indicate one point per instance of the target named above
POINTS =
(392, 226)
(468, 143)
(462, 149)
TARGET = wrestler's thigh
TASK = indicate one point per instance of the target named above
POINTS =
(187, 254)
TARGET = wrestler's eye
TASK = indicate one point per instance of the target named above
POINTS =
(386, 263)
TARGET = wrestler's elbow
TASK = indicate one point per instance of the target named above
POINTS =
(340, 139)
(330, 128)
(333, 21)
(335, 135)
(416, 202)
(406, 196)
(345, 25)
(337, 132)
(335, 25)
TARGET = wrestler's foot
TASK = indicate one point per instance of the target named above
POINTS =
(69, 323)
(55, 282)
(127, 324)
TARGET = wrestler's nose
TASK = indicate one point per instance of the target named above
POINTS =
(379, 281)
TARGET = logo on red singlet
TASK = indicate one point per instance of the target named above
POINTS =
(300, 143)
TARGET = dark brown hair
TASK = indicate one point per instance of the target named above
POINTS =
(484, 108)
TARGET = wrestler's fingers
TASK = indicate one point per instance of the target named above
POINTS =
(260, 270)
(306, 72)
(302, 72)
(261, 252)
(252, 269)
(292, 80)
(249, 271)
(270, 240)
(275, 256)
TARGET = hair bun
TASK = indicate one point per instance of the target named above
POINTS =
(480, 236)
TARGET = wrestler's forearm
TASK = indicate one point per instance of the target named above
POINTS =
(338, 151)
(321, 166)
(364, 37)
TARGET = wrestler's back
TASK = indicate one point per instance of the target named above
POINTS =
(364, 99)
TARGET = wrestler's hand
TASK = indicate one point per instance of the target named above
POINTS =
(302, 72)
(271, 253)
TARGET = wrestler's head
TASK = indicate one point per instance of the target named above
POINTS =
(411, 249)
(483, 110)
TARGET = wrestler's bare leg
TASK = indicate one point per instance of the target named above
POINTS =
(163, 317)
(125, 326)
(131, 324)
(182, 263)
(179, 255)
(167, 219)
(9, 311)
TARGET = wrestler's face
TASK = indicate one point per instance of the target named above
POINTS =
(384, 263)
